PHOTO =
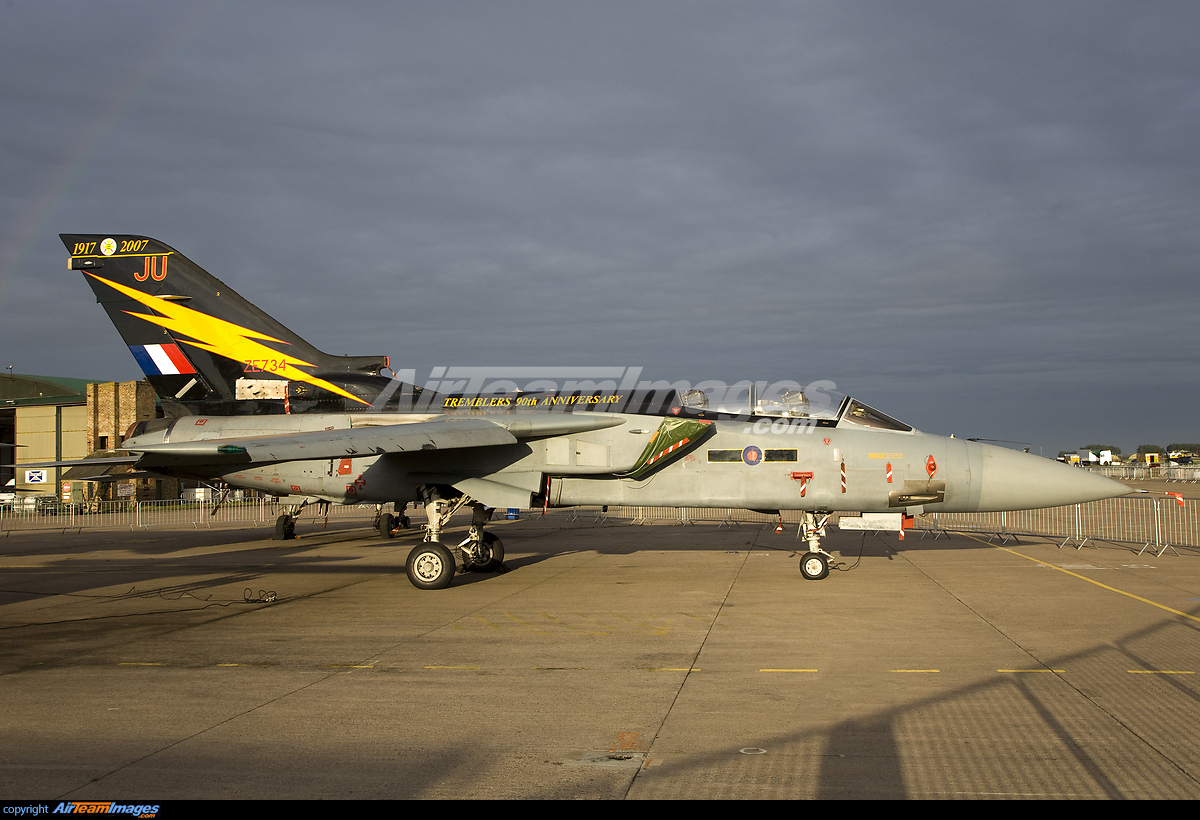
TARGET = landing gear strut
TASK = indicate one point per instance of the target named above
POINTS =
(814, 564)
(431, 565)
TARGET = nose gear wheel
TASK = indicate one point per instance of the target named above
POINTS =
(814, 566)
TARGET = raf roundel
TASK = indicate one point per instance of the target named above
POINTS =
(108, 247)
(752, 455)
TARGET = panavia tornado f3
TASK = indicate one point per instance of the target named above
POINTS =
(251, 404)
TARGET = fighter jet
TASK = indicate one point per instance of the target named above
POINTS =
(251, 404)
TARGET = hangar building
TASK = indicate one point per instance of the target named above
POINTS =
(53, 419)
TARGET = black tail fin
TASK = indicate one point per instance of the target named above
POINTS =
(202, 345)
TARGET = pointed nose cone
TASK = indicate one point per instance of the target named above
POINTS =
(1019, 481)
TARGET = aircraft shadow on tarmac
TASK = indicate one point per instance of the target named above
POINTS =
(1012, 734)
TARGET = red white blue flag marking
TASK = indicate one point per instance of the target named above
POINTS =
(161, 360)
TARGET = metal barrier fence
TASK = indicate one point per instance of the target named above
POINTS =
(1190, 475)
(177, 512)
(1156, 522)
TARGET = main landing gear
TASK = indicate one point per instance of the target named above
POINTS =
(431, 565)
(814, 564)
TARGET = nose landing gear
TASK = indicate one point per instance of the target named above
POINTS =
(814, 564)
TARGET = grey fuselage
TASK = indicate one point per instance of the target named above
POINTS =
(759, 463)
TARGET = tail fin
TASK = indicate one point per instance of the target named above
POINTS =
(202, 345)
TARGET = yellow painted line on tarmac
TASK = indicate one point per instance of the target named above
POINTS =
(1029, 671)
(1089, 580)
(787, 670)
(524, 623)
(133, 663)
(1158, 672)
(599, 624)
(564, 624)
(915, 671)
(349, 666)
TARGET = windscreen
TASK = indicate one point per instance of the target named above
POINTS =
(860, 415)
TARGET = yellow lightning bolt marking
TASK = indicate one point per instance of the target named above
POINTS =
(221, 337)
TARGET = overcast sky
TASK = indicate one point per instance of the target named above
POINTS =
(982, 218)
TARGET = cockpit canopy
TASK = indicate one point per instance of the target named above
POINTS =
(825, 408)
